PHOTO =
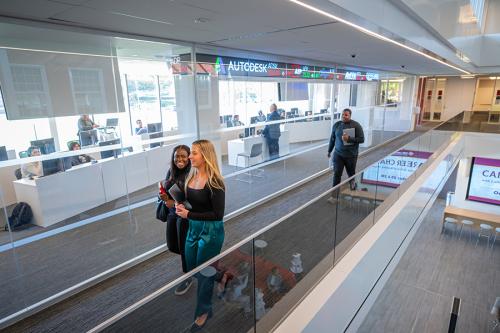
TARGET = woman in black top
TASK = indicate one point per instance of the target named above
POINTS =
(177, 227)
(205, 192)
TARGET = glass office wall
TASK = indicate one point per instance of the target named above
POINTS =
(75, 153)
(72, 146)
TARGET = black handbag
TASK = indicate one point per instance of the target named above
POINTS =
(161, 211)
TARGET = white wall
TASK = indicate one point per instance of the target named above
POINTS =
(459, 96)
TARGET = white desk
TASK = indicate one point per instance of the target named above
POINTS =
(234, 147)
(62, 195)
(305, 131)
(7, 177)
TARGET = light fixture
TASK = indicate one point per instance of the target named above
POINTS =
(374, 34)
(494, 77)
(467, 76)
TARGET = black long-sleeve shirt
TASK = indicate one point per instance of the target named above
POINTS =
(337, 143)
(208, 205)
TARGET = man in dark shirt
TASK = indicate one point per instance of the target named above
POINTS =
(272, 132)
(346, 147)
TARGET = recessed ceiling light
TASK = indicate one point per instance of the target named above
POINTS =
(374, 34)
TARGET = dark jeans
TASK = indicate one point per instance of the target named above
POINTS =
(274, 148)
(176, 232)
(339, 162)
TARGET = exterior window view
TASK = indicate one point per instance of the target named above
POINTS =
(282, 166)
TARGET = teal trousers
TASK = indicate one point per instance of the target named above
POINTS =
(204, 241)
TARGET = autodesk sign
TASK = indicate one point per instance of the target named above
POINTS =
(233, 66)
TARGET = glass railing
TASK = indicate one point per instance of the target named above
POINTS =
(253, 285)
(98, 204)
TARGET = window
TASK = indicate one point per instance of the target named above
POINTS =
(30, 86)
(246, 98)
(88, 90)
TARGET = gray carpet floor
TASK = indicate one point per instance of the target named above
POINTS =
(132, 237)
(433, 270)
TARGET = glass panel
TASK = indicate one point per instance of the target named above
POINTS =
(227, 290)
(354, 216)
(13, 284)
(292, 257)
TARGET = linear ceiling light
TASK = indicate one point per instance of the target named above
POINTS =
(374, 34)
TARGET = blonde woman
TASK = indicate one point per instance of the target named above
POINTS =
(205, 191)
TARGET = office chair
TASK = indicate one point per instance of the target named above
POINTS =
(255, 151)
(23, 154)
(70, 143)
(18, 173)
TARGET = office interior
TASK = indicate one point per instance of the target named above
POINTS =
(98, 202)
(110, 183)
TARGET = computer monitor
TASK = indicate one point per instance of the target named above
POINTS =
(289, 115)
(110, 153)
(52, 166)
(249, 131)
(111, 122)
(227, 118)
(295, 111)
(254, 120)
(323, 111)
(3, 153)
(46, 146)
(154, 128)
(155, 136)
(308, 113)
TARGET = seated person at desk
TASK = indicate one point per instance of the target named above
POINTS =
(139, 129)
(32, 169)
(236, 121)
(85, 124)
(80, 159)
(261, 117)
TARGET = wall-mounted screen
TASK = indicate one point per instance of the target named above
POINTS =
(293, 91)
(484, 181)
(395, 169)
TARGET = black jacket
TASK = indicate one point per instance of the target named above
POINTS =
(337, 143)
(272, 131)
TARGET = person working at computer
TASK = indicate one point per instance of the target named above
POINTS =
(272, 132)
(346, 136)
(139, 129)
(205, 191)
(80, 159)
(261, 117)
(29, 170)
(177, 227)
(85, 125)
(236, 121)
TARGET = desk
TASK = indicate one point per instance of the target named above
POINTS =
(62, 195)
(234, 147)
(7, 177)
(309, 131)
(475, 216)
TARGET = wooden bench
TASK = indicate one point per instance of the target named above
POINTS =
(473, 215)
